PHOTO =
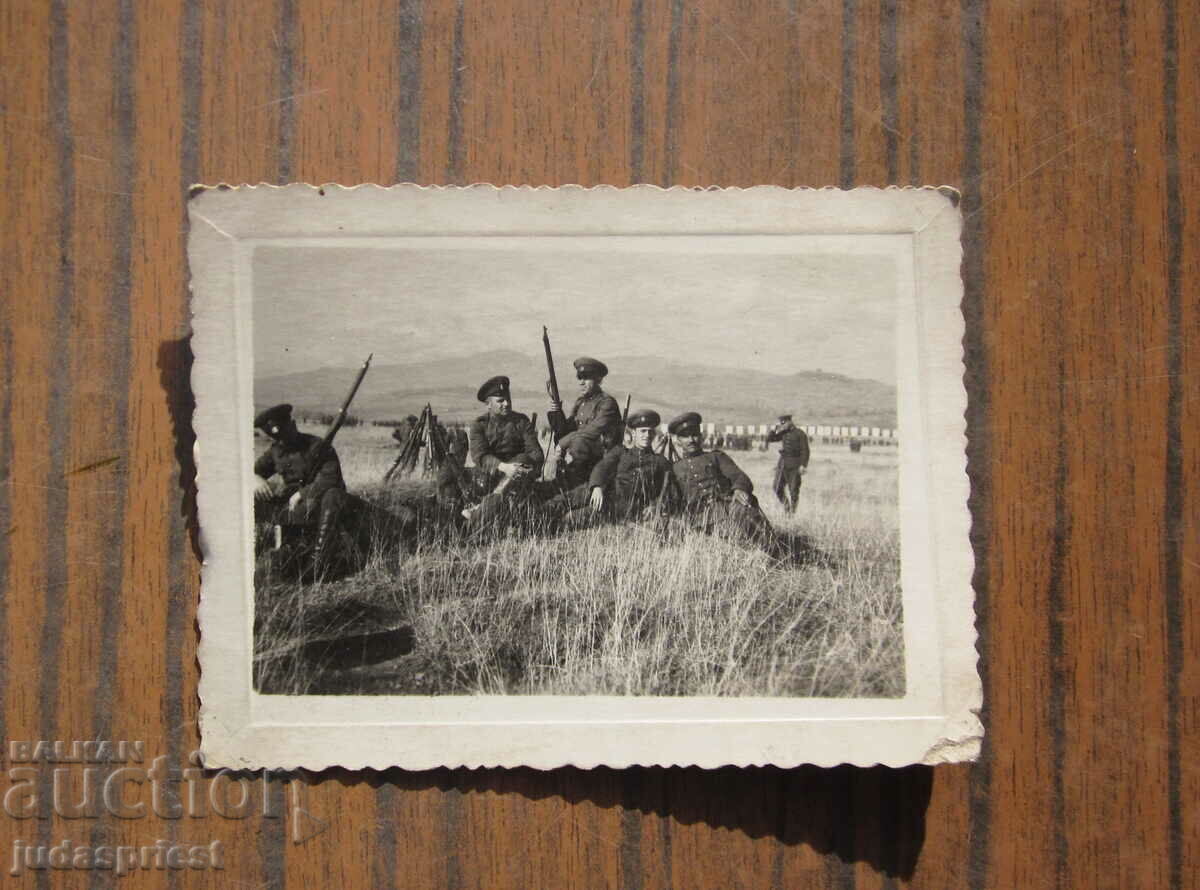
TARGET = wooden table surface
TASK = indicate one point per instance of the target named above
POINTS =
(1071, 129)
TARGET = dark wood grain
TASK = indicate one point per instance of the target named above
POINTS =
(1073, 131)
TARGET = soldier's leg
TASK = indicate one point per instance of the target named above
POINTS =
(328, 516)
(449, 493)
(794, 481)
(779, 485)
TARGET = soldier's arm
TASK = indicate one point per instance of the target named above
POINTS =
(607, 416)
(804, 449)
(774, 435)
(265, 465)
(328, 475)
(731, 471)
(606, 468)
(533, 454)
(483, 459)
(559, 422)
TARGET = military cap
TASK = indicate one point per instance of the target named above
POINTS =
(643, 418)
(277, 416)
(784, 418)
(493, 386)
(592, 368)
(684, 424)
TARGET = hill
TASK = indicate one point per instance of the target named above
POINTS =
(722, 395)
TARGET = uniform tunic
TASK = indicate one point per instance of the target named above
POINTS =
(290, 460)
(707, 482)
(509, 439)
(593, 427)
(710, 475)
(633, 478)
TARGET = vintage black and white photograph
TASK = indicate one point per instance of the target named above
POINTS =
(629, 447)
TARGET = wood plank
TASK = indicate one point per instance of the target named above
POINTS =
(1181, 544)
(1022, 132)
(1113, 388)
(231, 86)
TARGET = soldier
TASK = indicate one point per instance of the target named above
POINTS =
(290, 502)
(793, 460)
(628, 481)
(716, 494)
(593, 427)
(506, 453)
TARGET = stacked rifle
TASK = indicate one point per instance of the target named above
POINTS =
(425, 448)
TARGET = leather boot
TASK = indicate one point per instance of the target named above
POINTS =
(325, 546)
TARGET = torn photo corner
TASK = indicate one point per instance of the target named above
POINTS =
(589, 476)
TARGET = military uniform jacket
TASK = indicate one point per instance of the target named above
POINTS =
(710, 474)
(291, 459)
(593, 427)
(635, 475)
(496, 440)
(794, 451)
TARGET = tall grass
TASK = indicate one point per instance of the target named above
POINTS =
(616, 610)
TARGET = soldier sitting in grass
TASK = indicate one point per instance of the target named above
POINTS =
(629, 483)
(593, 427)
(717, 497)
(506, 453)
(294, 457)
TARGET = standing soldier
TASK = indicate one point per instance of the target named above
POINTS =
(628, 479)
(793, 460)
(715, 492)
(505, 450)
(294, 456)
(593, 427)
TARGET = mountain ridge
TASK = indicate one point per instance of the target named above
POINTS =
(670, 386)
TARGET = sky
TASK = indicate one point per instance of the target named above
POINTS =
(687, 299)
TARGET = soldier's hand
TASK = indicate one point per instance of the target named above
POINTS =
(741, 497)
(597, 500)
(803, 470)
(262, 488)
(555, 406)
(568, 458)
(293, 502)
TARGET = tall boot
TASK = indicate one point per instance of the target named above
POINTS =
(326, 543)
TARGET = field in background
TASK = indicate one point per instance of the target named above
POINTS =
(618, 610)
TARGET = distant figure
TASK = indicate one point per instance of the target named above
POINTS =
(856, 445)
(293, 456)
(793, 460)
(716, 494)
(593, 427)
(402, 432)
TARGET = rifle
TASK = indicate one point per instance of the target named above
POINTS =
(551, 384)
(407, 459)
(625, 413)
(321, 452)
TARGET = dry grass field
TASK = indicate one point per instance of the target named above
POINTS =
(618, 610)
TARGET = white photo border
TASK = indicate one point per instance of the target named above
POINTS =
(934, 722)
